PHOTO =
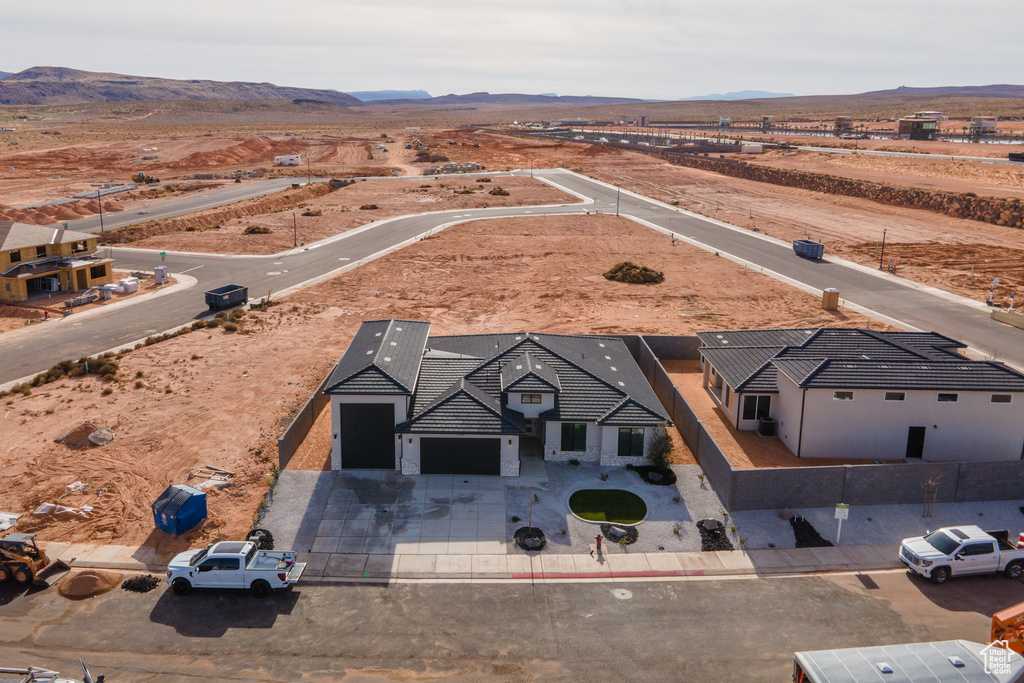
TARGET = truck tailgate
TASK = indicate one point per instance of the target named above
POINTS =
(295, 573)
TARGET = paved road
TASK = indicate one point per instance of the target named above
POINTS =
(886, 296)
(692, 630)
(919, 155)
(247, 189)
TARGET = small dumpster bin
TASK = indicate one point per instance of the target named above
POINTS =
(179, 508)
(830, 299)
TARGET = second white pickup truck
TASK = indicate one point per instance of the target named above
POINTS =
(234, 564)
(961, 550)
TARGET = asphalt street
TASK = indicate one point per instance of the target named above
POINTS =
(888, 296)
(742, 629)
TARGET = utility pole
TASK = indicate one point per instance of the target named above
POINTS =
(881, 259)
(617, 201)
(309, 173)
(295, 231)
(100, 200)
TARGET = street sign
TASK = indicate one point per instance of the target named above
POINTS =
(163, 255)
(842, 511)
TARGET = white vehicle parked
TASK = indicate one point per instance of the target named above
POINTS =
(234, 564)
(961, 550)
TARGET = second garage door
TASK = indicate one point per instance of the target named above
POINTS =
(460, 456)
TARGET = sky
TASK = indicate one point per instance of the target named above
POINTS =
(651, 49)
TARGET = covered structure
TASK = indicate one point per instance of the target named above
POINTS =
(36, 259)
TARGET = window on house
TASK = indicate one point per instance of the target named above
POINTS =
(574, 437)
(97, 272)
(78, 247)
(631, 442)
(842, 395)
(1002, 398)
(531, 398)
(15, 256)
(756, 407)
(728, 395)
(41, 252)
(948, 398)
(895, 396)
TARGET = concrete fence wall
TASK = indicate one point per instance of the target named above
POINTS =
(803, 487)
(289, 442)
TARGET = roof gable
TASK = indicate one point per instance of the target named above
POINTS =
(465, 409)
(630, 413)
(394, 348)
(529, 373)
(23, 236)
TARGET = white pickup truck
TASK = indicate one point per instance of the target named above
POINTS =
(233, 564)
(959, 551)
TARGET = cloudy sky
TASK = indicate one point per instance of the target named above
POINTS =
(665, 49)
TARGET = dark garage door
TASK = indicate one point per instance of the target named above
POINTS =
(368, 436)
(460, 456)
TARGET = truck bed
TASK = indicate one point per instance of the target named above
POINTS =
(266, 560)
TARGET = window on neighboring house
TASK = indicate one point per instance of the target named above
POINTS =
(574, 437)
(756, 407)
(728, 395)
(41, 252)
(842, 395)
(895, 396)
(1002, 398)
(96, 272)
(78, 247)
(15, 256)
(531, 398)
(631, 442)
(948, 398)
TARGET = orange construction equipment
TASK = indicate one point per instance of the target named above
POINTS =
(1008, 625)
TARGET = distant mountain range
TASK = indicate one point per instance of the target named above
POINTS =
(510, 99)
(1013, 91)
(741, 95)
(373, 95)
(60, 85)
(5, 74)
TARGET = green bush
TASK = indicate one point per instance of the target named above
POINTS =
(660, 448)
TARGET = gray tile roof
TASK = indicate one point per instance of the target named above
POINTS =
(850, 358)
(629, 413)
(383, 358)
(22, 236)
(465, 409)
(437, 375)
(529, 373)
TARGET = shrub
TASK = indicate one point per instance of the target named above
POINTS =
(107, 391)
(660, 447)
(633, 274)
(139, 384)
(312, 212)
(230, 327)
(256, 230)
(212, 323)
(499, 191)
(368, 207)
(221, 315)
(484, 180)
(199, 324)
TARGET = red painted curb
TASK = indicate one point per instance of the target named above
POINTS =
(605, 575)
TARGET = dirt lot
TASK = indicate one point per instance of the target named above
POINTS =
(219, 398)
(341, 210)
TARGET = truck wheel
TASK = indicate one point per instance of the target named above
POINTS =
(23, 575)
(181, 587)
(1014, 570)
(5, 573)
(260, 588)
(940, 575)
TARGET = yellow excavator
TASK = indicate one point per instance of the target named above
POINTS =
(23, 560)
(142, 178)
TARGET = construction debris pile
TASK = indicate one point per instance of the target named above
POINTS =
(634, 274)
(86, 435)
(214, 477)
(89, 583)
(140, 584)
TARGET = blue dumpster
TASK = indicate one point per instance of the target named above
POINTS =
(808, 248)
(179, 509)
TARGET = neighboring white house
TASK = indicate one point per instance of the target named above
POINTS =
(401, 399)
(850, 393)
(287, 160)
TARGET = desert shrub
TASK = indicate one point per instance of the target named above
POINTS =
(312, 212)
(237, 314)
(256, 230)
(634, 274)
(107, 391)
(468, 190)
(139, 384)
(199, 324)
(230, 327)
(484, 180)
(368, 207)
(212, 323)
(221, 315)
(499, 191)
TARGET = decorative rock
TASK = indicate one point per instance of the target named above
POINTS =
(786, 514)
(101, 437)
(710, 524)
(617, 533)
(655, 476)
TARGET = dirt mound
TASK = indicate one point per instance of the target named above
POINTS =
(88, 584)
(47, 215)
(78, 438)
(19, 312)
(634, 274)
(140, 584)
(259, 148)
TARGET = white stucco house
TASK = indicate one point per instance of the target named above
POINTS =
(852, 393)
(403, 400)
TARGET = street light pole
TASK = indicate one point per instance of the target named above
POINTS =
(309, 173)
(295, 231)
(617, 201)
(881, 259)
(100, 200)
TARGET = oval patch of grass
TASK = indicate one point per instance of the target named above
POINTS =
(608, 505)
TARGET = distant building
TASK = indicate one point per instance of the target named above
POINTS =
(931, 114)
(35, 259)
(983, 125)
(918, 128)
(767, 124)
(642, 121)
(724, 122)
(287, 160)
(843, 124)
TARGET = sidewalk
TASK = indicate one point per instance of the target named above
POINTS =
(328, 567)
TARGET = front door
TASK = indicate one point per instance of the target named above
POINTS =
(83, 282)
(915, 442)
